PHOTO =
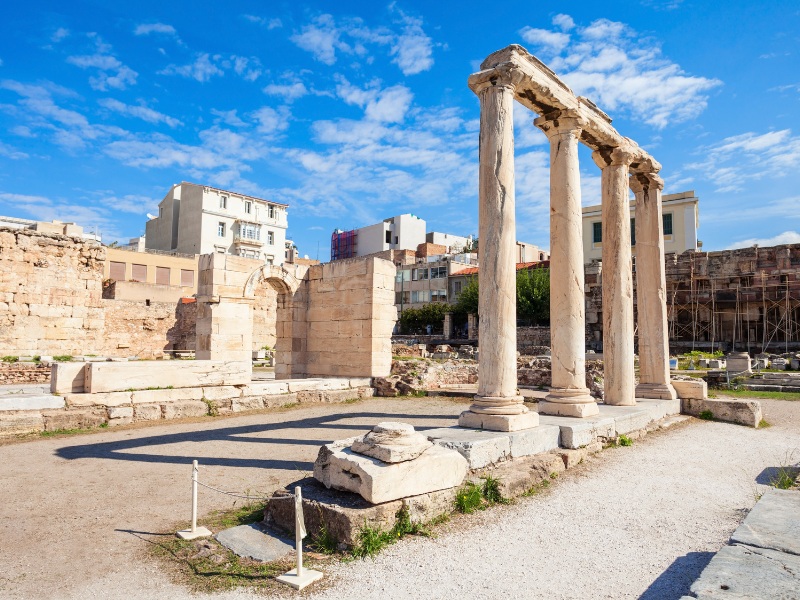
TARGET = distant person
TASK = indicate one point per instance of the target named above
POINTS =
(428, 328)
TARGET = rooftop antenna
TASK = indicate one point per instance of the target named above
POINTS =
(317, 249)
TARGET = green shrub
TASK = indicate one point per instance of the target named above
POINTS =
(706, 415)
(469, 498)
(10, 359)
(624, 440)
(63, 358)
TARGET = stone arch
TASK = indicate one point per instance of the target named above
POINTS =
(278, 277)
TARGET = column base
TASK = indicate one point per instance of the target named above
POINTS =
(564, 409)
(658, 391)
(525, 420)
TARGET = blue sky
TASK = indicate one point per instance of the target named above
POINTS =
(351, 112)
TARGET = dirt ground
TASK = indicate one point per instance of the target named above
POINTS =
(76, 512)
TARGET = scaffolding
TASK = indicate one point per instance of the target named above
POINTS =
(344, 244)
(734, 313)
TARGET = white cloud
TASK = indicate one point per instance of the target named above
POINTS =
(229, 117)
(619, 70)
(735, 160)
(206, 66)
(271, 121)
(412, 49)
(59, 34)
(273, 23)
(390, 105)
(11, 152)
(202, 69)
(148, 28)
(287, 91)
(140, 112)
(787, 237)
(111, 73)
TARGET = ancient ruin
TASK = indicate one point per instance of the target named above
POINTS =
(514, 74)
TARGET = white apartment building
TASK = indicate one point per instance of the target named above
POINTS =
(680, 218)
(454, 243)
(200, 219)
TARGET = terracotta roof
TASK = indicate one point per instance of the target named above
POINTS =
(520, 266)
(188, 300)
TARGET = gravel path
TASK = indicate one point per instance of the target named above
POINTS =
(638, 522)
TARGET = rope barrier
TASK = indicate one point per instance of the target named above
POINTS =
(245, 496)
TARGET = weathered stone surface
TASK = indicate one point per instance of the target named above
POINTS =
(731, 410)
(256, 542)
(573, 457)
(774, 523)
(29, 402)
(332, 396)
(694, 389)
(342, 513)
(73, 419)
(19, 423)
(514, 422)
(577, 433)
(221, 392)
(140, 375)
(147, 412)
(435, 469)
(109, 399)
(392, 442)
(188, 408)
(265, 388)
(426, 507)
(517, 476)
(165, 396)
(67, 377)
(121, 415)
(747, 573)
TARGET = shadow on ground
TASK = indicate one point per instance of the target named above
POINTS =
(136, 449)
(675, 582)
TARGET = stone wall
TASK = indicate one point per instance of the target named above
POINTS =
(529, 337)
(51, 303)
(50, 294)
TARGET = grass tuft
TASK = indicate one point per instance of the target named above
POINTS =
(763, 424)
(785, 478)
(624, 440)
(706, 415)
(469, 498)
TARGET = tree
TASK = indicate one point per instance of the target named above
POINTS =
(416, 320)
(533, 296)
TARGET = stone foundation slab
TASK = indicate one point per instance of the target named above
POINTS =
(730, 410)
(483, 448)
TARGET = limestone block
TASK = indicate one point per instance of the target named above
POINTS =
(67, 378)
(26, 402)
(392, 442)
(524, 421)
(534, 441)
(332, 396)
(20, 423)
(578, 433)
(744, 572)
(627, 419)
(112, 376)
(108, 399)
(356, 382)
(435, 469)
(221, 392)
(730, 410)
(147, 412)
(695, 390)
(265, 388)
(120, 415)
(182, 409)
(518, 475)
(573, 457)
(162, 396)
(316, 384)
(480, 448)
(427, 507)
(73, 419)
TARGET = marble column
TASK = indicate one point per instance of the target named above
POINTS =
(498, 405)
(568, 395)
(651, 289)
(619, 384)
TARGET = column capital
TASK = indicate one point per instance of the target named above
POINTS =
(617, 156)
(504, 76)
(566, 121)
(640, 182)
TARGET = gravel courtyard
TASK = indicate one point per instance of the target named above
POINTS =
(637, 522)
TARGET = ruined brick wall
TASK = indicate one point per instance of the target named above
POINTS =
(136, 329)
(50, 294)
(528, 337)
(24, 373)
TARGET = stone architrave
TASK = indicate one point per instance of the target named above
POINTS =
(497, 405)
(618, 355)
(568, 395)
(651, 289)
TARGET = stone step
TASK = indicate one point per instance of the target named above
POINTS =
(31, 389)
(30, 402)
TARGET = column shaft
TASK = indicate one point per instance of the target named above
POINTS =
(497, 405)
(619, 384)
(569, 395)
(651, 297)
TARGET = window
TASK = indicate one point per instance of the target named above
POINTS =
(388, 237)
(438, 295)
(418, 274)
(395, 240)
(438, 272)
(249, 232)
(117, 271)
(160, 211)
(221, 229)
(667, 221)
(420, 296)
(223, 202)
(139, 273)
(597, 233)
(187, 278)
(457, 288)
(271, 211)
(162, 275)
(271, 238)
(248, 206)
(633, 232)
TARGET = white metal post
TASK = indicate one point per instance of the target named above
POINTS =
(298, 577)
(299, 528)
(195, 531)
